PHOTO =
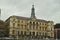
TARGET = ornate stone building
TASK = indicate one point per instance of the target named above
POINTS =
(30, 27)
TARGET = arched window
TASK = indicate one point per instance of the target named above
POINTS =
(37, 23)
(33, 25)
(30, 25)
(30, 22)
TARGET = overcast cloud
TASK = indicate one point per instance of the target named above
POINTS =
(44, 9)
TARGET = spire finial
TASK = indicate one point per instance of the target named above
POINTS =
(33, 5)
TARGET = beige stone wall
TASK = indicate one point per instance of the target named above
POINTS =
(42, 28)
(50, 29)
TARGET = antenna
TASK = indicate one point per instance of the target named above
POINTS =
(33, 2)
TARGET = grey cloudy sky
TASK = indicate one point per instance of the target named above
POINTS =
(44, 9)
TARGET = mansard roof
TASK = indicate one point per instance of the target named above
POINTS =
(26, 18)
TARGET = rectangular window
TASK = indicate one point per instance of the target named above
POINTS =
(40, 23)
(24, 32)
(40, 33)
(29, 26)
(33, 27)
(13, 24)
(36, 27)
(43, 34)
(36, 23)
(18, 24)
(21, 32)
(22, 21)
(14, 19)
(18, 21)
(21, 26)
(43, 28)
(18, 33)
(25, 27)
(40, 28)
(37, 33)
(13, 31)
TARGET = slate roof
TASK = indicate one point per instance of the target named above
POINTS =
(26, 18)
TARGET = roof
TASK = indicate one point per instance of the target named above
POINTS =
(26, 18)
(2, 22)
(57, 25)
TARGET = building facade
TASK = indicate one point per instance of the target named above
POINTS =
(30, 27)
(3, 30)
(57, 31)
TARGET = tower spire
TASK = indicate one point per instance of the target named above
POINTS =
(33, 12)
